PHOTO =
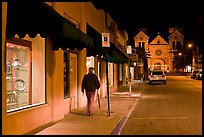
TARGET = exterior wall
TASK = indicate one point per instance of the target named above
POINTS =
(81, 70)
(158, 44)
(56, 106)
(163, 58)
(176, 37)
(20, 118)
(142, 37)
(120, 40)
(96, 19)
(3, 78)
(103, 87)
(139, 69)
(79, 14)
(115, 78)
(57, 85)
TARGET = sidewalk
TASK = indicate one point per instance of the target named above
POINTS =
(78, 123)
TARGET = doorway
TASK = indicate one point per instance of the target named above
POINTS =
(73, 81)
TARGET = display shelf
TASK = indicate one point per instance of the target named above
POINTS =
(18, 74)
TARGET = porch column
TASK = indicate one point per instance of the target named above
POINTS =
(81, 63)
(81, 71)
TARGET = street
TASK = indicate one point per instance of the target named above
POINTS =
(171, 109)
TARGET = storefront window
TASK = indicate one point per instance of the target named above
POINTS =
(120, 72)
(66, 74)
(99, 71)
(89, 63)
(110, 73)
(25, 73)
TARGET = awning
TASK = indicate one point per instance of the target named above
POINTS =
(97, 38)
(34, 18)
(113, 53)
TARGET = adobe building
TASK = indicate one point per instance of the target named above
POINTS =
(45, 54)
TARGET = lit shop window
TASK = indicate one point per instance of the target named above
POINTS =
(99, 70)
(66, 74)
(89, 63)
(110, 73)
(25, 73)
(120, 72)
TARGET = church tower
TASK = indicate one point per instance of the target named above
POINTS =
(176, 44)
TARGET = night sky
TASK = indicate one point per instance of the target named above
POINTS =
(157, 16)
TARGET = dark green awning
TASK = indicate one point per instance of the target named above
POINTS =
(97, 38)
(34, 18)
(113, 53)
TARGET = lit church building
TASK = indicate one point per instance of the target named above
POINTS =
(161, 53)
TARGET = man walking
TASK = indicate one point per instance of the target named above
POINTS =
(90, 83)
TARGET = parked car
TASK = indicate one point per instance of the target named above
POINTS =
(157, 76)
(199, 75)
(193, 75)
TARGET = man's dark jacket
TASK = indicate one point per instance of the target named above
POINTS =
(90, 83)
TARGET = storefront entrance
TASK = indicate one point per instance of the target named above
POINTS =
(73, 81)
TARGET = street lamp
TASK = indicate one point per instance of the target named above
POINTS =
(185, 57)
(194, 57)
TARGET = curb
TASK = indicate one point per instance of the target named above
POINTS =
(122, 121)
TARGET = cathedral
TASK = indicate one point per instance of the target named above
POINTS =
(160, 52)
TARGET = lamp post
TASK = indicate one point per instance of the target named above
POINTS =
(180, 66)
(185, 55)
(129, 52)
(196, 57)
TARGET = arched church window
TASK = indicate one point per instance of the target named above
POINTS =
(174, 45)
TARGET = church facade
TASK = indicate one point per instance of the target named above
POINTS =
(161, 53)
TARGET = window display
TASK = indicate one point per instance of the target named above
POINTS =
(18, 71)
(89, 63)
(66, 74)
(110, 73)
(25, 72)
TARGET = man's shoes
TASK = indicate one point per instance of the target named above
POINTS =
(90, 114)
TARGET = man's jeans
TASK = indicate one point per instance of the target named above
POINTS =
(90, 101)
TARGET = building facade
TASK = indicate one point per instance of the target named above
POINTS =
(159, 53)
(160, 56)
(45, 56)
